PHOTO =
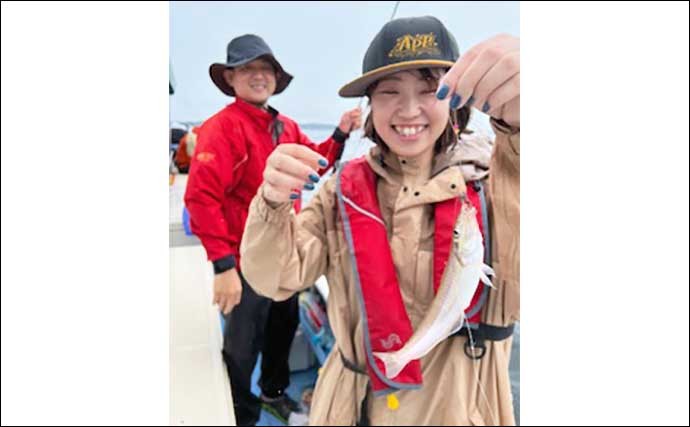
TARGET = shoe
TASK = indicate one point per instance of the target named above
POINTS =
(297, 419)
(282, 407)
(307, 395)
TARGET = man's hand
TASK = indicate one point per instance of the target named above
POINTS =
(350, 120)
(227, 290)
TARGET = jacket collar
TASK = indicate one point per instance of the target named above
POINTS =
(259, 116)
(445, 178)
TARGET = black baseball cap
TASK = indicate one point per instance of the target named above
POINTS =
(404, 44)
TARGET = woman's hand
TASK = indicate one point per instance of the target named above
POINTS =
(487, 77)
(290, 168)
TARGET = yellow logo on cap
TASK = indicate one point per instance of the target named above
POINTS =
(409, 45)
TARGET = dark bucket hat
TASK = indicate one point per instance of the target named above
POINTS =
(242, 50)
(404, 44)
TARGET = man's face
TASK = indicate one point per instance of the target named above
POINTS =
(253, 82)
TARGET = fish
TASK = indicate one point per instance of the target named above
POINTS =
(446, 315)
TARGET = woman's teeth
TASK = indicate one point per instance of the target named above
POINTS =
(408, 130)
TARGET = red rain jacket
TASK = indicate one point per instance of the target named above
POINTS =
(227, 169)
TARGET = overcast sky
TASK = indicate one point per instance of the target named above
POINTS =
(321, 43)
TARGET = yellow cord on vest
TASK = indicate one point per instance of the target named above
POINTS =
(393, 403)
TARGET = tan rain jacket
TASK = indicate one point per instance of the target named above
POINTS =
(283, 254)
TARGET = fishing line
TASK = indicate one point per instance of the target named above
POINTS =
(476, 374)
(361, 99)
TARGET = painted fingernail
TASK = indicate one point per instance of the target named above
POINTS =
(442, 91)
(485, 107)
(308, 186)
(314, 178)
(293, 196)
(470, 101)
(323, 163)
(455, 101)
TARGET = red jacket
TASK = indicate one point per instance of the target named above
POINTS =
(227, 169)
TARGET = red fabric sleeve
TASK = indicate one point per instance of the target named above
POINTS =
(212, 173)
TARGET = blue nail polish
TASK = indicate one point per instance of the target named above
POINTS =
(323, 163)
(486, 107)
(442, 91)
(314, 178)
(309, 186)
(455, 101)
(470, 101)
(293, 196)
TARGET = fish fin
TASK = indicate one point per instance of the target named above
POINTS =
(488, 270)
(485, 280)
(391, 364)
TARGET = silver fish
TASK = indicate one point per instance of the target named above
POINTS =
(447, 312)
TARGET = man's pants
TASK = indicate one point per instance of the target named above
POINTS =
(258, 324)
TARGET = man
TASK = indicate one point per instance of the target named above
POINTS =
(226, 171)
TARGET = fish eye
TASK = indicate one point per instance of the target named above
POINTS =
(456, 233)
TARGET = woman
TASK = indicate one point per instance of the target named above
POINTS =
(380, 230)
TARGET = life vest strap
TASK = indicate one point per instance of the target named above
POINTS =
(481, 334)
(352, 366)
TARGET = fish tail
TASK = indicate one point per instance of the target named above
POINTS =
(484, 275)
(488, 270)
(391, 363)
(485, 280)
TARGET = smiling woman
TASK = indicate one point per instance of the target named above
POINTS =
(405, 109)
(381, 230)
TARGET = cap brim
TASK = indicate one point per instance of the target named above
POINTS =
(358, 87)
(216, 72)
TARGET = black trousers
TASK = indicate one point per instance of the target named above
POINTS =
(258, 324)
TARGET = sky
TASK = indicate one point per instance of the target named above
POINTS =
(321, 44)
